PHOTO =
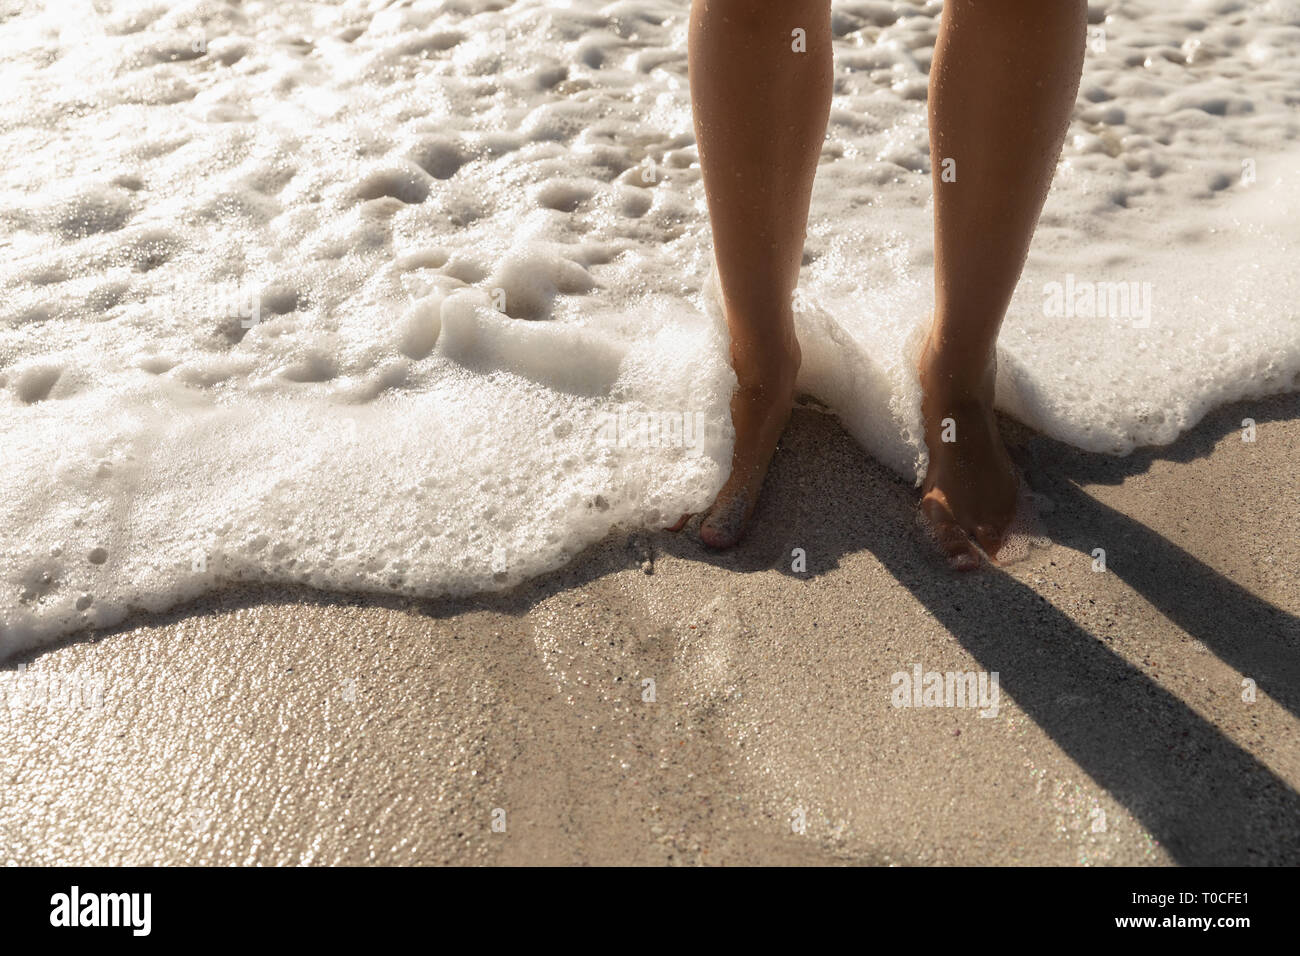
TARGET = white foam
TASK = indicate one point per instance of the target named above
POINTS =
(256, 257)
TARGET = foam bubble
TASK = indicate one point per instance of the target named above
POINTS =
(410, 299)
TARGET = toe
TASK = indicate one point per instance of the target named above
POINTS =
(957, 547)
(724, 525)
(681, 523)
(990, 539)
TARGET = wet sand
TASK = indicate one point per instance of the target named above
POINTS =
(276, 726)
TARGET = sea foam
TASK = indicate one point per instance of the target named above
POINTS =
(416, 300)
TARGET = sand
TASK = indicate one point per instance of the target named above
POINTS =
(288, 727)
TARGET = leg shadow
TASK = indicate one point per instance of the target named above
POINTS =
(1204, 799)
(1256, 638)
(1247, 633)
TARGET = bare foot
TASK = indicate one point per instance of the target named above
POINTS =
(969, 496)
(760, 409)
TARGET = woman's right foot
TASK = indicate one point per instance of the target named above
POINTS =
(760, 409)
(971, 487)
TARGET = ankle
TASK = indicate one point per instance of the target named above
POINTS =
(772, 365)
(956, 378)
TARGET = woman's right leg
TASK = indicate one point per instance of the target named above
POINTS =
(1002, 87)
(761, 82)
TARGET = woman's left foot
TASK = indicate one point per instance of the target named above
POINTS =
(971, 487)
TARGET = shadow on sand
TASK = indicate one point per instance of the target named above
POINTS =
(1207, 801)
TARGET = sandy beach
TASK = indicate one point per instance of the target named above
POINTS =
(354, 354)
(289, 727)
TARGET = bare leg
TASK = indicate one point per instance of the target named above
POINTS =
(1002, 86)
(761, 106)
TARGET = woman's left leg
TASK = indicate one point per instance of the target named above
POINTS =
(1002, 86)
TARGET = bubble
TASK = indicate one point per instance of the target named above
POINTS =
(483, 250)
